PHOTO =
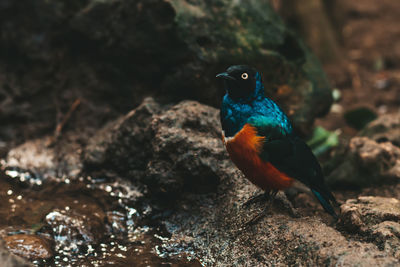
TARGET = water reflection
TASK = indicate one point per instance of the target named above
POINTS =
(88, 221)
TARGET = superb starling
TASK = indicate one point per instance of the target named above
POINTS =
(260, 139)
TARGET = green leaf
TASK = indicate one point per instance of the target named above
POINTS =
(323, 140)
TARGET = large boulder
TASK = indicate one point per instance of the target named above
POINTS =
(186, 155)
(114, 52)
(166, 148)
(187, 149)
(216, 230)
(176, 151)
(371, 158)
(367, 163)
(386, 128)
(124, 144)
(376, 219)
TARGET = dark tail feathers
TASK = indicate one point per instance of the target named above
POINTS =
(326, 199)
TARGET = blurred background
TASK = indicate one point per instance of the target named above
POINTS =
(355, 41)
(75, 77)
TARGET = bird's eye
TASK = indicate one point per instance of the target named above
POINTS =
(245, 76)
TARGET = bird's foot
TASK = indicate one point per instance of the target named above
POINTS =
(287, 204)
(272, 197)
(258, 217)
(269, 196)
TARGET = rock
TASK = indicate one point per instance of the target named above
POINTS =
(25, 93)
(367, 163)
(165, 148)
(8, 259)
(32, 247)
(180, 152)
(376, 219)
(187, 155)
(384, 129)
(44, 161)
(187, 149)
(366, 211)
(78, 55)
(387, 235)
(256, 26)
(116, 222)
(215, 229)
(373, 209)
(74, 228)
(125, 144)
(34, 156)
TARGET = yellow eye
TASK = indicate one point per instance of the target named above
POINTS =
(245, 76)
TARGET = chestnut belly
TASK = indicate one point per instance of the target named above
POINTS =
(244, 149)
(263, 174)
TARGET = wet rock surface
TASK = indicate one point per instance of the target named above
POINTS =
(29, 246)
(76, 228)
(8, 259)
(82, 222)
(183, 203)
(154, 186)
(43, 160)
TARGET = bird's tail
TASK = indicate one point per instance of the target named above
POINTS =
(326, 199)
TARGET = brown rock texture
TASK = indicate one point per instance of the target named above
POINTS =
(174, 153)
(187, 149)
(166, 148)
(8, 259)
(376, 219)
(154, 185)
(366, 163)
(384, 129)
(124, 144)
(30, 247)
(44, 161)
(188, 156)
(217, 231)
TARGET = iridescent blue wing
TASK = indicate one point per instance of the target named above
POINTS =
(292, 156)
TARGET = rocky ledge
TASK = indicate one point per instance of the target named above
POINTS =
(175, 156)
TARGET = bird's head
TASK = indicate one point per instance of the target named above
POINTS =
(242, 82)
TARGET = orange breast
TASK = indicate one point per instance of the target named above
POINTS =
(244, 149)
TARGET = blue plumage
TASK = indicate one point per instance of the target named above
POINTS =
(235, 114)
(325, 203)
(245, 104)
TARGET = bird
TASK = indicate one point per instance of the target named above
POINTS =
(261, 141)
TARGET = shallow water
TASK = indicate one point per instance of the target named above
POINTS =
(85, 222)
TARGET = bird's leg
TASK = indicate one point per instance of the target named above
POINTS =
(270, 201)
(284, 199)
(257, 198)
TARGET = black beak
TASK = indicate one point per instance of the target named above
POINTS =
(225, 76)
